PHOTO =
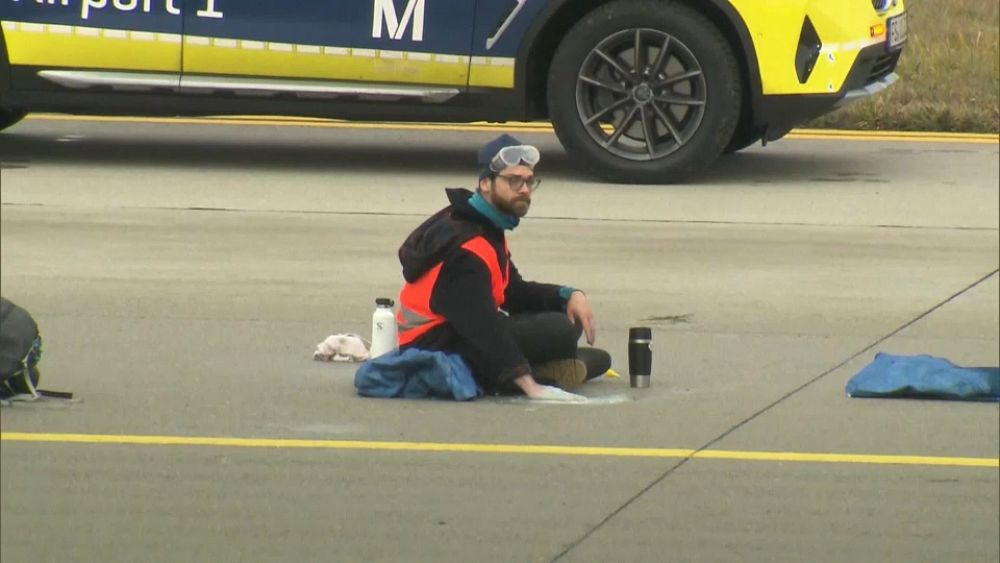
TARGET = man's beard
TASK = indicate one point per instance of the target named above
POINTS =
(511, 207)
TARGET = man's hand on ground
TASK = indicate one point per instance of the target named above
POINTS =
(578, 309)
(555, 394)
(528, 384)
(537, 392)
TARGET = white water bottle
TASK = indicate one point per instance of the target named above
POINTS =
(383, 328)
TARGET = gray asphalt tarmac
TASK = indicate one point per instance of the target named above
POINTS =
(183, 274)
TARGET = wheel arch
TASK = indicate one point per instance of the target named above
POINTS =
(543, 38)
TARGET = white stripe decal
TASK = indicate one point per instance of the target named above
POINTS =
(228, 43)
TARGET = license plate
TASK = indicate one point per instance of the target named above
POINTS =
(896, 35)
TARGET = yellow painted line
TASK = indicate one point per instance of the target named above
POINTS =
(887, 137)
(801, 457)
(915, 134)
(276, 443)
(523, 127)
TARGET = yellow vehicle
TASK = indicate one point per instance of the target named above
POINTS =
(637, 90)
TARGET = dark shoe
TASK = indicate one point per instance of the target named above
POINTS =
(598, 361)
(565, 374)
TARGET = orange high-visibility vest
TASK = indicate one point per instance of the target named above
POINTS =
(415, 317)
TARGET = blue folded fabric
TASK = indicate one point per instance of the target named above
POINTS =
(415, 373)
(924, 377)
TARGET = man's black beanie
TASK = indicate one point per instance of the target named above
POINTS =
(490, 150)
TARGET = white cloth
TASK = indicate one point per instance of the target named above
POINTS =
(347, 347)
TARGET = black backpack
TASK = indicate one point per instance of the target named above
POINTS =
(20, 351)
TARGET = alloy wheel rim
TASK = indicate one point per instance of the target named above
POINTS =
(641, 94)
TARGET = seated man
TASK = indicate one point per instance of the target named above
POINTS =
(464, 295)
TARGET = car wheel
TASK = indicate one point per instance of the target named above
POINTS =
(643, 91)
(10, 117)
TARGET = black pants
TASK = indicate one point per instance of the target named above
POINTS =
(541, 337)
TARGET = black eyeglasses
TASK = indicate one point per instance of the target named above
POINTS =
(518, 182)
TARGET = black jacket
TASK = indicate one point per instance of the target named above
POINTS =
(463, 293)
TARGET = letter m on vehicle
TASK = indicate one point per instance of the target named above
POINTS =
(385, 13)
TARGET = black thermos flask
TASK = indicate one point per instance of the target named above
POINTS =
(640, 356)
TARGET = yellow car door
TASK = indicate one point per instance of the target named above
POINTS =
(117, 44)
(314, 48)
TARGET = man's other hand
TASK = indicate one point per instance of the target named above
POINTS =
(578, 309)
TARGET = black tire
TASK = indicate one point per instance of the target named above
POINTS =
(675, 119)
(10, 117)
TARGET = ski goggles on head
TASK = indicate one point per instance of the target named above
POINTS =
(514, 155)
